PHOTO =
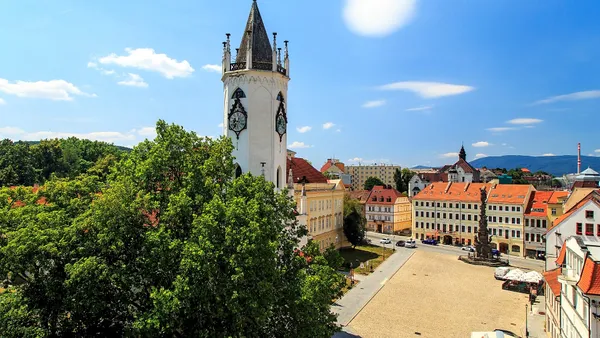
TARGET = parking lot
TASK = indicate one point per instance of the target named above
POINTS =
(435, 295)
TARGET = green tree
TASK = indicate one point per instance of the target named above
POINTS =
(371, 182)
(398, 180)
(354, 221)
(171, 245)
(402, 178)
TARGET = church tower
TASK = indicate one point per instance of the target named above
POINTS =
(255, 99)
(462, 154)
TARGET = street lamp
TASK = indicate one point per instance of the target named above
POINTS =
(526, 315)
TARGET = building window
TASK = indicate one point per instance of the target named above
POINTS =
(463, 205)
(597, 229)
(513, 209)
(512, 233)
(450, 215)
(513, 220)
(438, 204)
(589, 214)
(500, 232)
(468, 206)
(450, 205)
(553, 210)
(518, 209)
(475, 218)
(544, 223)
(527, 237)
(500, 208)
(578, 228)
(469, 229)
(518, 221)
(438, 215)
(589, 229)
(463, 228)
(463, 217)
(538, 238)
(469, 217)
(444, 215)
(444, 205)
(475, 206)
(238, 94)
(450, 227)
(506, 220)
(494, 232)
(518, 234)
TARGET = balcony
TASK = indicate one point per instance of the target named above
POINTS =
(568, 276)
(257, 66)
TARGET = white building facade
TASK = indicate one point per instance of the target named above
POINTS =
(255, 101)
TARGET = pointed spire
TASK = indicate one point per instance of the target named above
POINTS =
(462, 154)
(257, 40)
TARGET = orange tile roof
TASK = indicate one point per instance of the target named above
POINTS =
(330, 163)
(551, 278)
(378, 192)
(509, 193)
(561, 255)
(525, 170)
(302, 169)
(556, 195)
(589, 282)
(538, 204)
(463, 192)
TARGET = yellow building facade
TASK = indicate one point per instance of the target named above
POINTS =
(325, 212)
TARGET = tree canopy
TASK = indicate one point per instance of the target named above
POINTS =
(371, 182)
(354, 221)
(401, 178)
(163, 242)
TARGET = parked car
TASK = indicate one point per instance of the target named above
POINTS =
(385, 241)
(469, 248)
(541, 256)
(429, 241)
(400, 243)
(495, 252)
(411, 243)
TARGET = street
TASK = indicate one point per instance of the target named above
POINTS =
(532, 264)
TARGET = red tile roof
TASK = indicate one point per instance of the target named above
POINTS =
(330, 163)
(538, 204)
(302, 169)
(360, 195)
(525, 170)
(464, 192)
(509, 193)
(589, 282)
(433, 177)
(551, 278)
(561, 255)
(383, 196)
(465, 166)
(556, 195)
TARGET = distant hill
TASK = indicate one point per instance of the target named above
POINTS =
(420, 167)
(555, 165)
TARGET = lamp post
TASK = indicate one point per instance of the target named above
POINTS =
(526, 316)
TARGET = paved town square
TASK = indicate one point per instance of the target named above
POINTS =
(435, 295)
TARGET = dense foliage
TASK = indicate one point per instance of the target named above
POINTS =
(354, 221)
(167, 244)
(23, 163)
(371, 182)
(402, 178)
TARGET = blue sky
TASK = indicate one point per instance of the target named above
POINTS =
(395, 81)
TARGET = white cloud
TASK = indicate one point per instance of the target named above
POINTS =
(328, 125)
(597, 151)
(585, 95)
(356, 160)
(107, 72)
(212, 68)
(428, 90)
(147, 59)
(298, 145)
(106, 136)
(147, 131)
(11, 131)
(548, 154)
(220, 125)
(57, 90)
(92, 65)
(373, 104)
(504, 144)
(480, 156)
(2, 101)
(134, 80)
(419, 108)
(304, 129)
(480, 144)
(501, 129)
(339, 130)
(449, 155)
(524, 121)
(378, 18)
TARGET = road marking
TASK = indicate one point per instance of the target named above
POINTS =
(383, 281)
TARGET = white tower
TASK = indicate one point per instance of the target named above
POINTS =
(255, 98)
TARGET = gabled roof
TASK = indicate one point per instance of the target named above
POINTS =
(576, 196)
(556, 196)
(378, 192)
(509, 194)
(583, 202)
(301, 170)
(551, 278)
(466, 167)
(261, 46)
(460, 192)
(330, 163)
(538, 204)
(360, 195)
(589, 282)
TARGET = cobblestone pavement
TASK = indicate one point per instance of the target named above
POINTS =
(435, 295)
(536, 319)
(355, 299)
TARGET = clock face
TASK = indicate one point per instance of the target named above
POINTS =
(281, 125)
(237, 121)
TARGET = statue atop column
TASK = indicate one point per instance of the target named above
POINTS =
(483, 239)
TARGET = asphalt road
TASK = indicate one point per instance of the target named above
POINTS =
(532, 264)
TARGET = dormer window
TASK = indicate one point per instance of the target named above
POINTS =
(374, 199)
(589, 214)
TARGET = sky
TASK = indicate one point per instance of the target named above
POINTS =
(381, 81)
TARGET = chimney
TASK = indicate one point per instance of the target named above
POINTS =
(578, 158)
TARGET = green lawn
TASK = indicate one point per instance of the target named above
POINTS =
(363, 254)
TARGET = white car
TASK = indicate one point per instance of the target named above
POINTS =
(411, 243)
(385, 241)
(468, 248)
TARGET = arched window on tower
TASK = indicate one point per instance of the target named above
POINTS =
(238, 171)
(278, 178)
(238, 94)
(280, 97)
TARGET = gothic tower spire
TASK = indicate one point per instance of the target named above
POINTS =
(462, 154)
